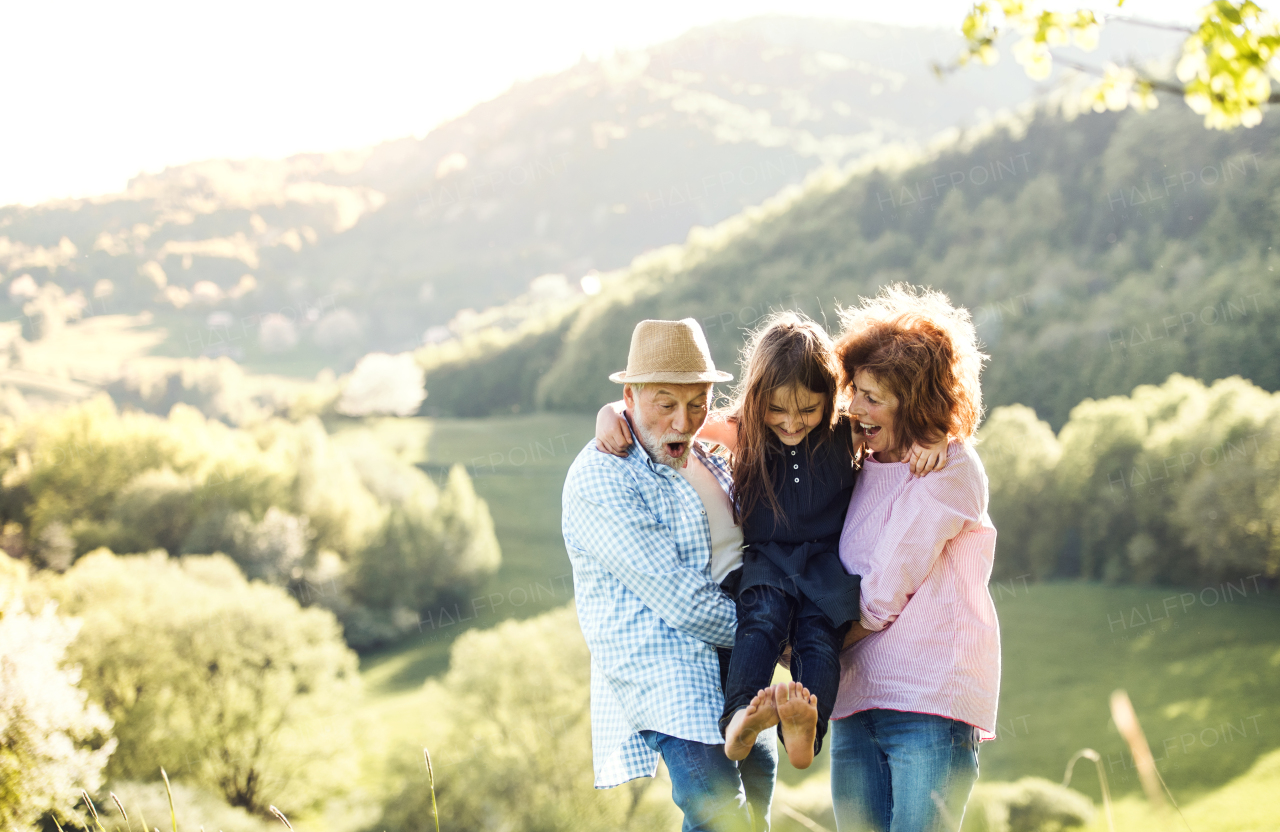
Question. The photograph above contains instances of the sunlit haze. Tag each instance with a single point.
(97, 93)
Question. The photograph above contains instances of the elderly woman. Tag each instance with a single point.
(921, 669)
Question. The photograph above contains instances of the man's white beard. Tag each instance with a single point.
(657, 447)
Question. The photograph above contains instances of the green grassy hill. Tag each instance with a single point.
(1201, 664)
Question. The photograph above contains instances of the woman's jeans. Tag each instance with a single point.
(893, 771)
(767, 620)
(715, 793)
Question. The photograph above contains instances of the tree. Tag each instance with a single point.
(328, 490)
(1020, 454)
(472, 546)
(1227, 63)
(434, 543)
(53, 741)
(229, 685)
(1175, 483)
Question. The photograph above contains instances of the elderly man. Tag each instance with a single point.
(649, 535)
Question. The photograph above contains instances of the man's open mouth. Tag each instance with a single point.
(869, 430)
(676, 449)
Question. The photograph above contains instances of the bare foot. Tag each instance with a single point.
(747, 724)
(798, 715)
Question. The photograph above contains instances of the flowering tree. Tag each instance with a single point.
(1225, 71)
(383, 384)
(48, 729)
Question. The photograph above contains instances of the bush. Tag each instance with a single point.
(278, 499)
(434, 545)
(510, 737)
(156, 509)
(1031, 804)
(229, 685)
(273, 550)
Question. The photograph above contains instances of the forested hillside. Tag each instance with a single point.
(296, 264)
(1096, 254)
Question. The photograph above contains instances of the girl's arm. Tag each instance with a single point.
(613, 434)
(927, 458)
(720, 429)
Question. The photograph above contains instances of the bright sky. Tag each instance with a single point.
(97, 92)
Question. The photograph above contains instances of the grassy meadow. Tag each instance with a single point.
(1201, 664)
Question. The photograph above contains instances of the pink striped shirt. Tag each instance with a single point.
(924, 549)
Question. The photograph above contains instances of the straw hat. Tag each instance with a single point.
(672, 351)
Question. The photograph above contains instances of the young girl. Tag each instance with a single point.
(794, 468)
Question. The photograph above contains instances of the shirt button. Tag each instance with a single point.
(793, 453)
(795, 466)
(797, 479)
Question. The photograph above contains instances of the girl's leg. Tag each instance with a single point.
(764, 617)
(933, 763)
(759, 772)
(815, 663)
(860, 784)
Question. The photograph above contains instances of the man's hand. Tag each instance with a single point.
(856, 634)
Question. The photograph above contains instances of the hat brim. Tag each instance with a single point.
(699, 377)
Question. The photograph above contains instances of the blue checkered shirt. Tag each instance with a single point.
(640, 545)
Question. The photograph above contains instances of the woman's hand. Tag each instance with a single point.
(613, 434)
(927, 459)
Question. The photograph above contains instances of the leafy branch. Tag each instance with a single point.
(1225, 71)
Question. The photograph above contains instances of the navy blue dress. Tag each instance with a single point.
(800, 554)
(793, 588)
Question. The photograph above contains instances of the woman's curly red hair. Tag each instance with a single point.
(925, 351)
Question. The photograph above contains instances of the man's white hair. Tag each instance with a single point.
(640, 385)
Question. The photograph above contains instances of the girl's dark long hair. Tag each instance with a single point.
(788, 351)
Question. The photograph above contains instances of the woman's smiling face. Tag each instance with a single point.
(793, 412)
(873, 408)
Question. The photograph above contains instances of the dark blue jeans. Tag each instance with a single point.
(767, 620)
(715, 793)
(893, 771)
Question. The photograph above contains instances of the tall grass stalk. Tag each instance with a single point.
(280, 817)
(123, 813)
(431, 783)
(1176, 807)
(1090, 754)
(1126, 720)
(93, 811)
(173, 816)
